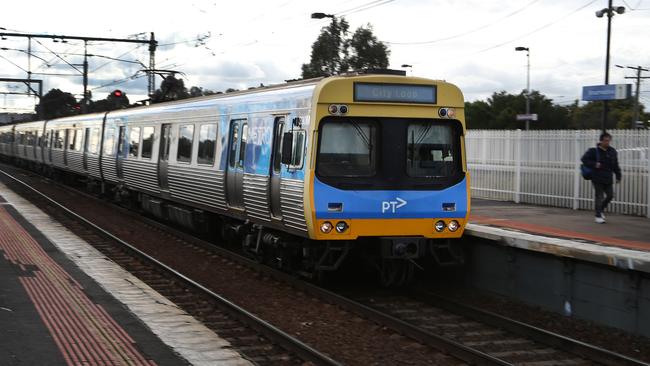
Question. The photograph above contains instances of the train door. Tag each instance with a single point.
(276, 167)
(163, 156)
(121, 150)
(235, 167)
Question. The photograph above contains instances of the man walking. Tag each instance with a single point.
(603, 160)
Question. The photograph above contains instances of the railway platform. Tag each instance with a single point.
(624, 241)
(64, 303)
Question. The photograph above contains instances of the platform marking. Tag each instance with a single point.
(80, 328)
(183, 333)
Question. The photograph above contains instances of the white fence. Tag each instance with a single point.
(543, 168)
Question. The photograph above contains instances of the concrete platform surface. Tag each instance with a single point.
(64, 303)
(629, 232)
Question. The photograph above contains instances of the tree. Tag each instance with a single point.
(170, 89)
(335, 52)
(367, 51)
(57, 103)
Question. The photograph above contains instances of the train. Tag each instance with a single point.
(303, 175)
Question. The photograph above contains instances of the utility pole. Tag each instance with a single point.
(638, 78)
(152, 66)
(609, 10)
(151, 42)
(84, 102)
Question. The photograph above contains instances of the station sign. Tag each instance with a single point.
(606, 92)
(527, 117)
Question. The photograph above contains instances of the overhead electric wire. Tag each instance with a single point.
(13, 63)
(474, 30)
(120, 56)
(57, 55)
(537, 29)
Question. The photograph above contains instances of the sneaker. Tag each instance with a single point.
(600, 220)
(602, 215)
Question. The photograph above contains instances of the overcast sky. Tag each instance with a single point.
(467, 42)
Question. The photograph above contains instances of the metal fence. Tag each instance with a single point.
(543, 168)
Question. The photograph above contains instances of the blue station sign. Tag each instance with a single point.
(606, 92)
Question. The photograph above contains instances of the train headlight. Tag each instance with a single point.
(440, 226)
(341, 226)
(326, 227)
(343, 109)
(453, 225)
(333, 109)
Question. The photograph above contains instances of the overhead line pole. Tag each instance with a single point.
(151, 42)
(638, 78)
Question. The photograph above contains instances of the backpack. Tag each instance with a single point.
(586, 171)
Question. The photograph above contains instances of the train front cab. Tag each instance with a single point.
(388, 164)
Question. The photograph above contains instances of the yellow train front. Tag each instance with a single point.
(387, 171)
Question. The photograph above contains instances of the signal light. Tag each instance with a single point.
(117, 93)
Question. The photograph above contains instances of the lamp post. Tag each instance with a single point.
(527, 83)
(610, 10)
(321, 15)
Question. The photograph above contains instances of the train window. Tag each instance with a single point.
(87, 140)
(207, 144)
(109, 142)
(38, 138)
(147, 142)
(348, 148)
(78, 140)
(95, 136)
(134, 142)
(430, 150)
(234, 142)
(121, 140)
(242, 148)
(58, 139)
(277, 144)
(185, 139)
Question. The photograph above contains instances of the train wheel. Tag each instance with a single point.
(396, 272)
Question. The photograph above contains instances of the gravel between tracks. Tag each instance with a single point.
(328, 328)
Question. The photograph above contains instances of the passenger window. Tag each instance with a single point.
(277, 144)
(185, 139)
(109, 142)
(87, 140)
(134, 142)
(207, 144)
(121, 140)
(46, 139)
(78, 139)
(234, 142)
(147, 142)
(95, 136)
(242, 148)
(69, 139)
(58, 139)
(297, 150)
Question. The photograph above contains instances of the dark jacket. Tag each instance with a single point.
(608, 160)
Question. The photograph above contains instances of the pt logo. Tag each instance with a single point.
(392, 205)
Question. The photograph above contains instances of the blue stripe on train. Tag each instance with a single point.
(389, 204)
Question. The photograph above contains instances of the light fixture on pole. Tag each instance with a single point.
(610, 11)
(321, 15)
(527, 83)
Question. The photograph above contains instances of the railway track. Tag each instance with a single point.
(256, 339)
(464, 332)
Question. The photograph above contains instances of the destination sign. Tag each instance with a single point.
(394, 93)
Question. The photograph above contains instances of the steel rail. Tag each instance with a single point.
(570, 345)
(282, 338)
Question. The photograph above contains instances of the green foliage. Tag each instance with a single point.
(335, 52)
(57, 103)
(367, 51)
(170, 89)
(500, 110)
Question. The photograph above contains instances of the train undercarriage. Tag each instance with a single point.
(393, 260)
